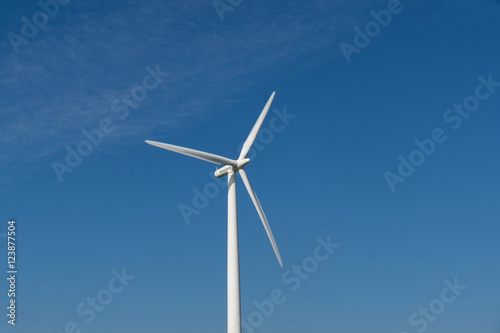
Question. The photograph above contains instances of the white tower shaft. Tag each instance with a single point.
(233, 264)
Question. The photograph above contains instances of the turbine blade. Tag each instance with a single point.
(255, 130)
(261, 213)
(195, 153)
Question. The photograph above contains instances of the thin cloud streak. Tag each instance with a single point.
(66, 79)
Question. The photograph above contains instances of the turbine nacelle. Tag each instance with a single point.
(219, 173)
(226, 169)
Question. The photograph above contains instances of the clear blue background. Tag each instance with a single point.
(322, 175)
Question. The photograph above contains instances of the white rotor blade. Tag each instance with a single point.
(261, 213)
(195, 153)
(255, 130)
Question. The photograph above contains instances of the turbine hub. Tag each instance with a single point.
(242, 162)
(226, 169)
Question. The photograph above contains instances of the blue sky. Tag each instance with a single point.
(389, 152)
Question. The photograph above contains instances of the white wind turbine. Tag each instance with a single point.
(231, 168)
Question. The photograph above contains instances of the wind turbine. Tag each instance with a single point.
(230, 169)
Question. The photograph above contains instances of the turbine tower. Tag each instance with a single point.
(231, 167)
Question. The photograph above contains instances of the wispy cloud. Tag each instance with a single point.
(67, 77)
